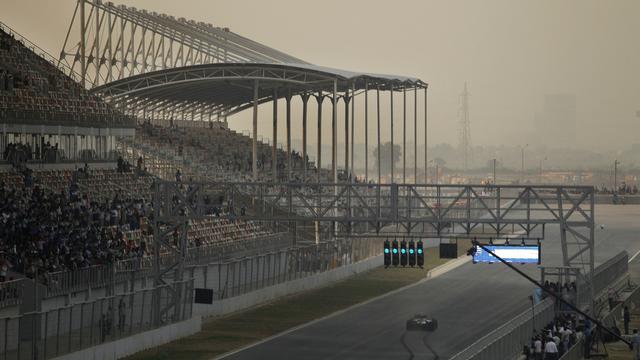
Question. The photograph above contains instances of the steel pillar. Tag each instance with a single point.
(254, 140)
(305, 100)
(274, 148)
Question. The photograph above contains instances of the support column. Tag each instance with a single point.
(83, 46)
(319, 99)
(274, 148)
(254, 140)
(393, 180)
(378, 149)
(415, 135)
(404, 135)
(366, 132)
(289, 167)
(426, 143)
(347, 99)
(305, 99)
(353, 130)
(97, 40)
(334, 133)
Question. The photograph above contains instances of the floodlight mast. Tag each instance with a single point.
(550, 292)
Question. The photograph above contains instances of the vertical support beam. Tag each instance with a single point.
(274, 147)
(254, 140)
(404, 135)
(334, 138)
(366, 132)
(353, 128)
(123, 58)
(305, 99)
(379, 152)
(393, 179)
(83, 44)
(592, 238)
(334, 132)
(319, 99)
(288, 124)
(97, 39)
(426, 143)
(110, 47)
(415, 135)
(346, 131)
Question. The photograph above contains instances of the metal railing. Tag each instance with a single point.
(506, 341)
(240, 276)
(65, 282)
(45, 335)
(11, 292)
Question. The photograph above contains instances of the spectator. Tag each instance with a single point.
(627, 318)
(537, 348)
(550, 350)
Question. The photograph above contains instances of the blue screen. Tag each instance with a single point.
(523, 254)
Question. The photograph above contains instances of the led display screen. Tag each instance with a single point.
(522, 254)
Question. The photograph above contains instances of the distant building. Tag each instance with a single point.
(556, 124)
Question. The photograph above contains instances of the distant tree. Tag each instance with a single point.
(440, 162)
(385, 157)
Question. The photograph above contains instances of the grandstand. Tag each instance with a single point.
(47, 115)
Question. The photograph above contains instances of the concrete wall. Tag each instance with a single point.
(608, 199)
(142, 341)
(230, 305)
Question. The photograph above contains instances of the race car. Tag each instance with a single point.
(421, 322)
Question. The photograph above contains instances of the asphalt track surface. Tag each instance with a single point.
(468, 302)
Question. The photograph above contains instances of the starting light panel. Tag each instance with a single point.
(387, 253)
(403, 253)
(420, 253)
(412, 253)
(395, 255)
(519, 254)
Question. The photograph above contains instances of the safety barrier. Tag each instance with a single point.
(576, 352)
(102, 276)
(45, 335)
(605, 275)
(506, 341)
(240, 276)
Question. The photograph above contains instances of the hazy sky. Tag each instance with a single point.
(511, 52)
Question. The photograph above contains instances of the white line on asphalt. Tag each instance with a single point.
(634, 256)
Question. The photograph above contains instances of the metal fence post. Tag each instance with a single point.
(57, 334)
(245, 266)
(131, 301)
(81, 322)
(6, 336)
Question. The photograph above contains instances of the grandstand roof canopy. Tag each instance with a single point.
(182, 64)
(231, 84)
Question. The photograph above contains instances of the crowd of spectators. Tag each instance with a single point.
(17, 153)
(566, 291)
(221, 150)
(30, 84)
(556, 338)
(42, 231)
